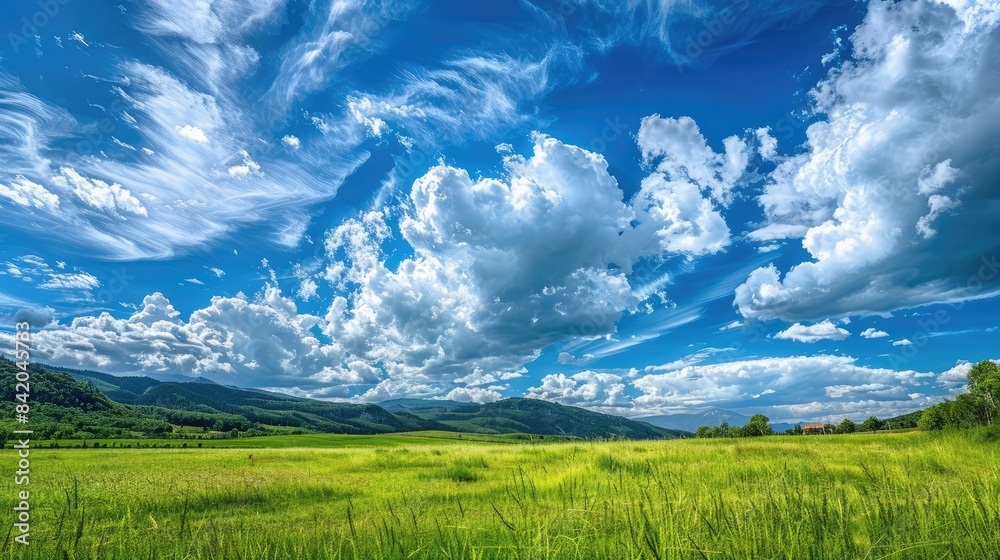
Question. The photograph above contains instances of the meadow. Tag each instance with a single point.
(904, 496)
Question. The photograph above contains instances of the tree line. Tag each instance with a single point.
(980, 406)
(977, 407)
(760, 425)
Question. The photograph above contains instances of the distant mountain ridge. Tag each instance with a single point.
(532, 416)
(691, 421)
(201, 403)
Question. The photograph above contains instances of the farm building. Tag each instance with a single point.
(813, 429)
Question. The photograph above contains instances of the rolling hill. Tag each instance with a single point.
(82, 404)
(62, 407)
(261, 407)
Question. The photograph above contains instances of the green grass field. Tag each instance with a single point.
(900, 496)
(302, 440)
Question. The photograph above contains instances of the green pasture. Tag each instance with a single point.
(428, 496)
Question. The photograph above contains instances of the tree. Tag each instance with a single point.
(933, 418)
(968, 410)
(984, 384)
(720, 431)
(847, 427)
(703, 432)
(759, 425)
(871, 424)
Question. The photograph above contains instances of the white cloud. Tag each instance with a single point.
(79, 38)
(70, 281)
(874, 333)
(903, 342)
(679, 151)
(937, 205)
(76, 285)
(690, 33)
(192, 133)
(189, 193)
(768, 144)
(674, 208)
(897, 175)
(588, 389)
(956, 377)
(307, 286)
(338, 34)
(470, 96)
(264, 341)
(246, 168)
(674, 216)
(291, 142)
(786, 389)
(501, 269)
(194, 281)
(99, 194)
(475, 394)
(24, 192)
(813, 333)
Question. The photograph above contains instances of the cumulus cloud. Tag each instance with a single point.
(475, 394)
(587, 389)
(37, 317)
(192, 133)
(768, 144)
(99, 194)
(678, 207)
(892, 192)
(680, 151)
(501, 268)
(956, 377)
(259, 341)
(813, 333)
(246, 168)
(903, 342)
(874, 333)
(788, 389)
(27, 193)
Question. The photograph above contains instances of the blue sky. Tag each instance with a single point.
(636, 207)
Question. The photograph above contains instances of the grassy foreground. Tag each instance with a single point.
(864, 496)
